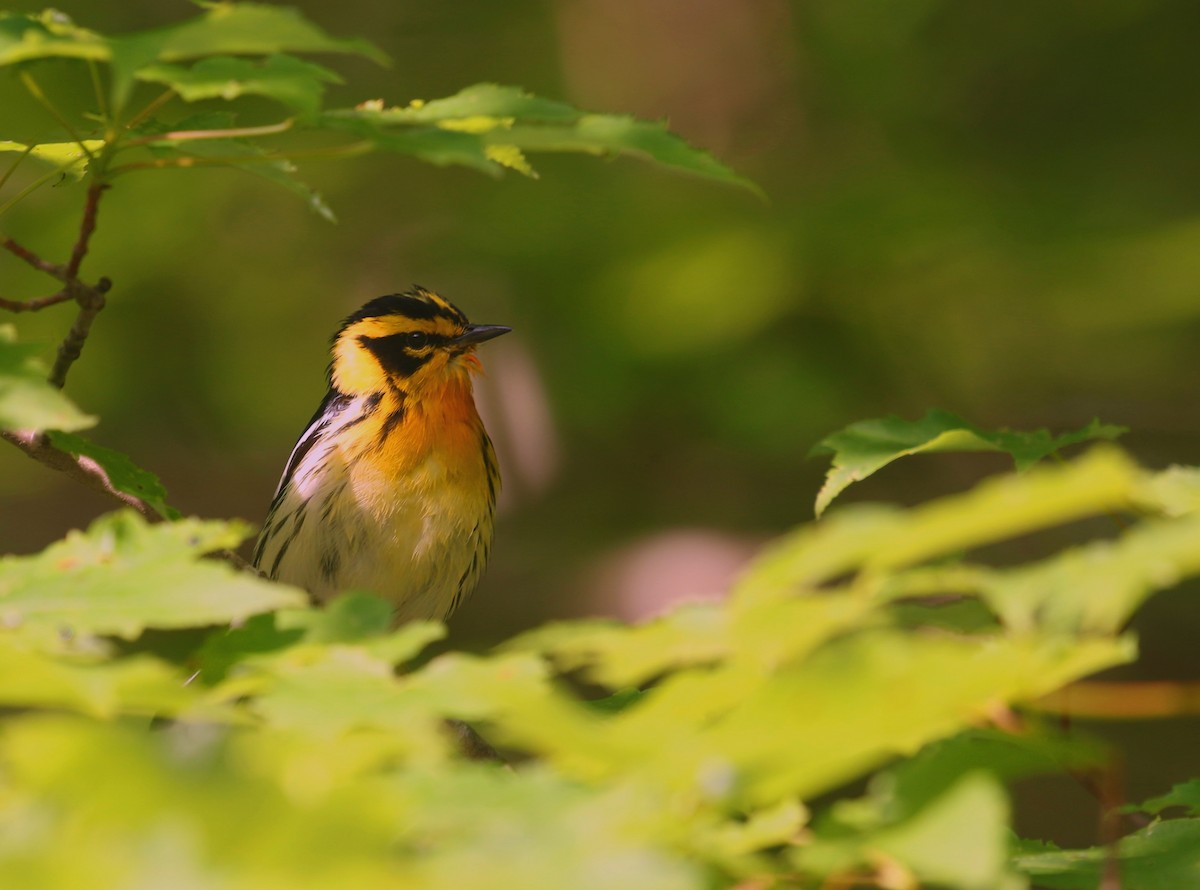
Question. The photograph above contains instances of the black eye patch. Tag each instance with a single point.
(396, 351)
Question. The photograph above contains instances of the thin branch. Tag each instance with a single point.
(86, 226)
(91, 301)
(52, 269)
(90, 298)
(35, 304)
(82, 469)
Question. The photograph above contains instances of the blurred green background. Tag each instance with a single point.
(991, 208)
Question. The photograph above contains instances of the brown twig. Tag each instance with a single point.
(91, 301)
(1131, 700)
(80, 468)
(90, 298)
(34, 305)
(52, 269)
(86, 226)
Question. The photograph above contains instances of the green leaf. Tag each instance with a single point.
(1161, 856)
(1185, 794)
(294, 82)
(27, 401)
(243, 154)
(495, 124)
(881, 539)
(868, 445)
(624, 135)
(1096, 587)
(1174, 491)
(442, 147)
(226, 647)
(359, 618)
(366, 619)
(483, 101)
(958, 839)
(46, 35)
(123, 474)
(226, 29)
(139, 685)
(69, 157)
(123, 575)
(912, 784)
(617, 702)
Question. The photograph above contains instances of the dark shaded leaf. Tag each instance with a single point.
(123, 473)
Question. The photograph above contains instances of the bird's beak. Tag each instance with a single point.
(478, 333)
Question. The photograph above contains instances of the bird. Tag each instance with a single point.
(391, 488)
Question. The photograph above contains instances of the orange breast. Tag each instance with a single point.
(440, 422)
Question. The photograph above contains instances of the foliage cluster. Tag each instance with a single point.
(272, 744)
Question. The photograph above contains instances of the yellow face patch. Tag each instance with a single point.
(393, 350)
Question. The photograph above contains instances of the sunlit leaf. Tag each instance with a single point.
(122, 473)
(123, 575)
(27, 401)
(1174, 491)
(868, 445)
(139, 685)
(1096, 587)
(70, 157)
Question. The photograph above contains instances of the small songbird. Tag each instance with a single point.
(392, 487)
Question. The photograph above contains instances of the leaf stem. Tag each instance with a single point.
(15, 164)
(343, 151)
(101, 100)
(36, 91)
(231, 133)
(29, 189)
(152, 106)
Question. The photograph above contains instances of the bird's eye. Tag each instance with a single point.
(416, 340)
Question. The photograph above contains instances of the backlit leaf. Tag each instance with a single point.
(70, 157)
(123, 575)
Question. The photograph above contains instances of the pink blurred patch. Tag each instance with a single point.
(660, 571)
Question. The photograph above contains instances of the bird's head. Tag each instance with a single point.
(405, 342)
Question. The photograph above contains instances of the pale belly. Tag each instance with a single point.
(420, 542)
